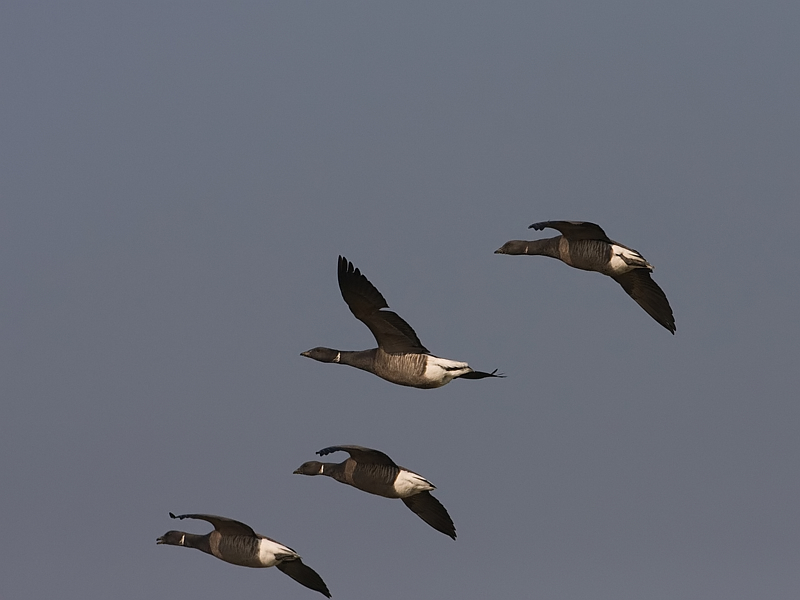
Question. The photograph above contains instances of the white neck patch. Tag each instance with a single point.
(321, 469)
(338, 356)
(183, 537)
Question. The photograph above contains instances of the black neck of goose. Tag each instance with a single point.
(360, 359)
(200, 542)
(545, 247)
(335, 471)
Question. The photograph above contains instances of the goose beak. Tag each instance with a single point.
(160, 540)
(305, 354)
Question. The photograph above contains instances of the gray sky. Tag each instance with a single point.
(177, 180)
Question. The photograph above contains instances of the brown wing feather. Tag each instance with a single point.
(430, 510)
(304, 575)
(574, 230)
(647, 293)
(361, 455)
(391, 332)
(222, 524)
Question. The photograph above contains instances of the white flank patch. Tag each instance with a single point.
(626, 259)
(443, 370)
(267, 549)
(409, 483)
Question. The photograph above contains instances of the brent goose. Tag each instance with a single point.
(374, 472)
(586, 246)
(238, 544)
(400, 357)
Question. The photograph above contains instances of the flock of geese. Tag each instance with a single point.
(402, 359)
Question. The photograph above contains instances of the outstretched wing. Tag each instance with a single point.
(430, 510)
(391, 332)
(304, 575)
(222, 524)
(364, 456)
(574, 230)
(647, 293)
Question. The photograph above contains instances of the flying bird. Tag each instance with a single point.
(374, 472)
(236, 543)
(400, 357)
(586, 246)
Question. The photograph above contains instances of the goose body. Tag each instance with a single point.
(400, 357)
(237, 543)
(586, 246)
(374, 472)
(245, 551)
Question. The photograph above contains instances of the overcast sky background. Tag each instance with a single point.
(177, 181)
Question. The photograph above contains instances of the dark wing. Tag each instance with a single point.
(391, 332)
(430, 510)
(574, 230)
(364, 456)
(304, 575)
(222, 524)
(641, 287)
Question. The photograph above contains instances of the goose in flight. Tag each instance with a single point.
(586, 246)
(374, 472)
(236, 543)
(400, 357)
